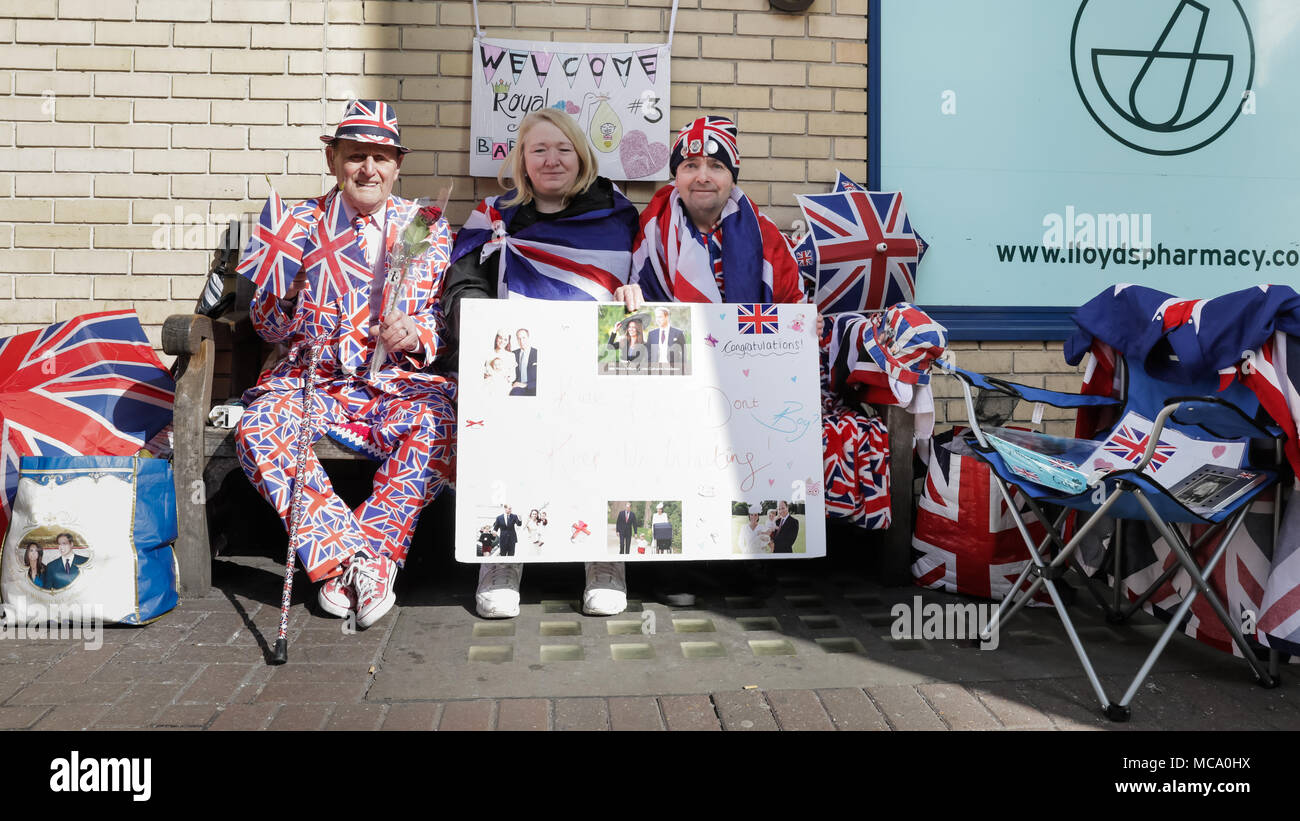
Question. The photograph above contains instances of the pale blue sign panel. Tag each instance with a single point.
(1049, 149)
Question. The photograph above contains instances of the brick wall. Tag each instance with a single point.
(1037, 364)
(129, 128)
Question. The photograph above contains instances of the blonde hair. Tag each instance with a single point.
(513, 168)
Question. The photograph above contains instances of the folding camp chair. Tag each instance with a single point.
(1157, 421)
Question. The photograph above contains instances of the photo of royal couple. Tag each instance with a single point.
(654, 341)
(644, 528)
(769, 526)
(511, 535)
(511, 368)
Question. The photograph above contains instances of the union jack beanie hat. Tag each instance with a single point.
(710, 136)
(369, 121)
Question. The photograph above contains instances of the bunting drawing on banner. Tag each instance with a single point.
(490, 58)
(649, 60)
(518, 61)
(596, 62)
(542, 65)
(622, 66)
(626, 122)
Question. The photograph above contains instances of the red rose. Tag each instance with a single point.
(430, 213)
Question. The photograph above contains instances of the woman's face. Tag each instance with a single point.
(550, 161)
(33, 555)
(634, 331)
(502, 342)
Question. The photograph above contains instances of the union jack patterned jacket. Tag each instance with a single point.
(343, 323)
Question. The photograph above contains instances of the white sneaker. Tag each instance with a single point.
(372, 579)
(606, 593)
(498, 590)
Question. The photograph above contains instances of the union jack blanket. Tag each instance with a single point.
(672, 266)
(578, 257)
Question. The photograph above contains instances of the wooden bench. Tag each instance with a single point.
(222, 357)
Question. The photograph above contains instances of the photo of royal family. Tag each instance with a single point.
(52, 557)
(510, 534)
(769, 526)
(510, 369)
(654, 341)
(644, 528)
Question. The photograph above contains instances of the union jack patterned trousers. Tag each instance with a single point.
(416, 432)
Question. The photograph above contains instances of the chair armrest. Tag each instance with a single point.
(1057, 399)
(183, 334)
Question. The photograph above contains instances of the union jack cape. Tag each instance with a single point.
(578, 257)
(672, 266)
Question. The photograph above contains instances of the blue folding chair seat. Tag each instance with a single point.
(1191, 411)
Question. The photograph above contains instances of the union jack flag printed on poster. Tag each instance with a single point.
(1129, 443)
(88, 386)
(756, 319)
(273, 255)
(867, 251)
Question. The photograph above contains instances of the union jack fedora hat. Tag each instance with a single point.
(369, 121)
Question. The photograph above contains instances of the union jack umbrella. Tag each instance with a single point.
(90, 386)
(867, 251)
(273, 255)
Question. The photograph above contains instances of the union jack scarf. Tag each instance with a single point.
(579, 257)
(671, 265)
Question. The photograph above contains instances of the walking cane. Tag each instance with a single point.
(280, 655)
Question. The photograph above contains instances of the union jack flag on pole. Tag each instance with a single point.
(331, 256)
(85, 387)
(867, 251)
(274, 252)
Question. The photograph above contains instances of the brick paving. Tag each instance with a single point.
(203, 668)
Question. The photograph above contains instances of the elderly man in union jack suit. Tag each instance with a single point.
(327, 295)
(701, 239)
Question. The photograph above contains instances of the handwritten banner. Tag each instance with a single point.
(676, 433)
(617, 93)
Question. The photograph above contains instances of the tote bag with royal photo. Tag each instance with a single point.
(91, 535)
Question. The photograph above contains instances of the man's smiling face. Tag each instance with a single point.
(365, 171)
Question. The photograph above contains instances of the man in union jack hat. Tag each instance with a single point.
(321, 267)
(701, 239)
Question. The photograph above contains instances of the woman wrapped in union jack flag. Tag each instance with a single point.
(555, 198)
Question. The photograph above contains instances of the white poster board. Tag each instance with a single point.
(617, 93)
(602, 418)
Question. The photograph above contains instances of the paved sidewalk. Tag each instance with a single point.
(805, 650)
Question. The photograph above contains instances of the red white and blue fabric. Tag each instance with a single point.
(672, 265)
(332, 256)
(855, 453)
(404, 415)
(89, 386)
(853, 272)
(581, 257)
(844, 183)
(886, 357)
(273, 255)
(805, 257)
(1238, 579)
(1211, 335)
(368, 121)
(965, 534)
(709, 136)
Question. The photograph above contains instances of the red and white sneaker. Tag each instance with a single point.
(336, 596)
(372, 581)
